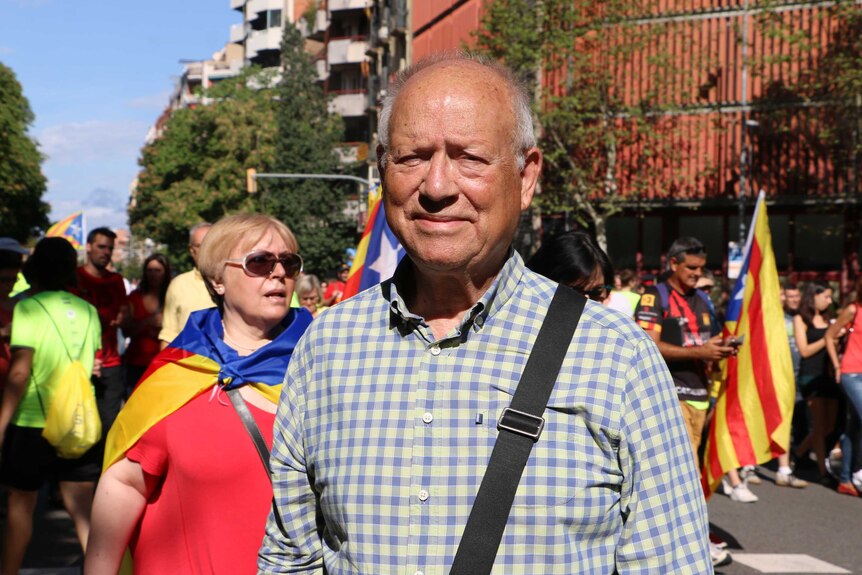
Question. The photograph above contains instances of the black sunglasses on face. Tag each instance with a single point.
(597, 294)
(262, 263)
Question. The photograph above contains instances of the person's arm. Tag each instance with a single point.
(120, 500)
(663, 512)
(170, 317)
(800, 332)
(713, 350)
(298, 547)
(834, 332)
(16, 384)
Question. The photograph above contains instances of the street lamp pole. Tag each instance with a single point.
(743, 154)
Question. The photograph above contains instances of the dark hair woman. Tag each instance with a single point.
(145, 321)
(49, 329)
(817, 386)
(574, 259)
(848, 372)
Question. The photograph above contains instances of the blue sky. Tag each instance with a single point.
(97, 74)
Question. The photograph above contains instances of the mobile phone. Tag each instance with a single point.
(736, 341)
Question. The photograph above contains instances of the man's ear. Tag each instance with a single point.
(530, 176)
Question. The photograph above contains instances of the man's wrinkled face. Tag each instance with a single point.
(452, 187)
(99, 251)
(687, 269)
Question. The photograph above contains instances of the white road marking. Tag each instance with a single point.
(786, 563)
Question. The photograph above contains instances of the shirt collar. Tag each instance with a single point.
(503, 287)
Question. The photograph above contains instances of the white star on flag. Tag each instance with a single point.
(387, 261)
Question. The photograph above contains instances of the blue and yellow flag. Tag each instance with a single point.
(71, 228)
(377, 254)
(195, 361)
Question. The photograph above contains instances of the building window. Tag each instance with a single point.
(818, 242)
(274, 19)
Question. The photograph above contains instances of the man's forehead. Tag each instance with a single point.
(453, 77)
(102, 240)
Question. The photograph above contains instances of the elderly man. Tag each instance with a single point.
(186, 292)
(388, 416)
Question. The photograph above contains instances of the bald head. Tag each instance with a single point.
(458, 67)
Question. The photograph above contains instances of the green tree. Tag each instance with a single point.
(307, 137)
(601, 137)
(22, 184)
(196, 170)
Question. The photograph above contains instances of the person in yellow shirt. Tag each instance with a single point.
(187, 292)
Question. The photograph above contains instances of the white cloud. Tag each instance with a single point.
(152, 102)
(92, 141)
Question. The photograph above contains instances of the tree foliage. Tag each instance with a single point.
(600, 137)
(196, 170)
(307, 137)
(22, 184)
(812, 103)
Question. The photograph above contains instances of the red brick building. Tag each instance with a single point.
(813, 186)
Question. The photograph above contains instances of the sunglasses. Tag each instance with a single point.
(261, 264)
(597, 294)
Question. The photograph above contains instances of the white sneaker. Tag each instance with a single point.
(857, 480)
(725, 487)
(742, 494)
(720, 557)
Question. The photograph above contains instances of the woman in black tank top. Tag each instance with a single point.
(815, 383)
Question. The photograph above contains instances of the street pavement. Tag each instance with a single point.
(812, 530)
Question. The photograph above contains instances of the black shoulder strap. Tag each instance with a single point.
(253, 430)
(520, 425)
(250, 426)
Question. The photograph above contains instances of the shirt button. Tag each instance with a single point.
(428, 418)
(423, 495)
(480, 320)
(435, 350)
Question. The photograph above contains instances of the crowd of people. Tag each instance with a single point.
(255, 421)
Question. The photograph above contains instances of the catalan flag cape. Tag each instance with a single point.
(71, 228)
(753, 413)
(194, 362)
(377, 254)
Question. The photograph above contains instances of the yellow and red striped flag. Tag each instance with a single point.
(751, 424)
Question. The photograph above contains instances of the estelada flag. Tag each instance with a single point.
(751, 424)
(71, 228)
(377, 254)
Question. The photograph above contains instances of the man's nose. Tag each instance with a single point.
(439, 180)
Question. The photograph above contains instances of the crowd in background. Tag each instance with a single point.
(137, 321)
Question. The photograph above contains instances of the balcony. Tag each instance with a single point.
(258, 6)
(346, 50)
(321, 23)
(237, 33)
(335, 5)
(237, 4)
(322, 69)
(349, 103)
(260, 40)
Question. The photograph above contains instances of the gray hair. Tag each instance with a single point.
(524, 137)
(197, 227)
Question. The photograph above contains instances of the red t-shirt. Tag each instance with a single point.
(209, 513)
(144, 345)
(107, 294)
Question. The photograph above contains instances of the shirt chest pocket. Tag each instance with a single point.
(571, 461)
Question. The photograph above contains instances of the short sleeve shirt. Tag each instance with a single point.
(108, 295)
(186, 293)
(687, 321)
(69, 327)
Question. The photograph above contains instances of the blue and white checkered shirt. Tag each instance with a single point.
(383, 434)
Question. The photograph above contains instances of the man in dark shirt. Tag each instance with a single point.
(681, 322)
(106, 292)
